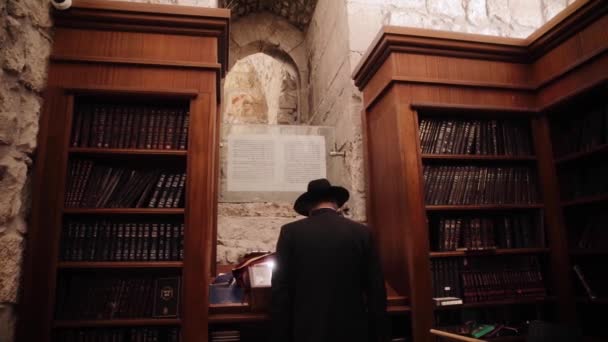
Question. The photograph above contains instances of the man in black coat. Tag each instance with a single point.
(327, 285)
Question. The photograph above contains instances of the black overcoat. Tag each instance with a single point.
(327, 285)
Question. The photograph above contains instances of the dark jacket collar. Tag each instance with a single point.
(322, 211)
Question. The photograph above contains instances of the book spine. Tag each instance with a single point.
(165, 191)
(581, 277)
(183, 136)
(170, 130)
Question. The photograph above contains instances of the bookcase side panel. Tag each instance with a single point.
(36, 304)
(200, 197)
(417, 242)
(387, 197)
(556, 232)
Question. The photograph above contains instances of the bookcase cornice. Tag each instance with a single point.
(394, 39)
(149, 18)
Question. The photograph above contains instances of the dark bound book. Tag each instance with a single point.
(166, 297)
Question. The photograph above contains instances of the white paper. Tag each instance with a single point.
(274, 163)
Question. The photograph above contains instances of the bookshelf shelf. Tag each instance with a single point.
(238, 318)
(520, 338)
(588, 252)
(585, 300)
(578, 156)
(118, 323)
(586, 200)
(119, 264)
(473, 157)
(518, 301)
(482, 207)
(124, 211)
(127, 152)
(488, 252)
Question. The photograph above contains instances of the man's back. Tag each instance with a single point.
(327, 277)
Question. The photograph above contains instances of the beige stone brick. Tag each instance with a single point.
(11, 250)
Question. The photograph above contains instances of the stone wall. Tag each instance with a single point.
(268, 72)
(25, 45)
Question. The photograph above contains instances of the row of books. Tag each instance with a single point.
(93, 184)
(504, 284)
(584, 130)
(112, 297)
(595, 232)
(103, 240)
(446, 278)
(479, 185)
(130, 126)
(482, 279)
(225, 336)
(146, 334)
(584, 181)
(471, 233)
(486, 137)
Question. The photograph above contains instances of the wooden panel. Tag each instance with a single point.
(444, 68)
(556, 231)
(417, 231)
(572, 52)
(386, 196)
(82, 75)
(135, 45)
(379, 81)
(199, 230)
(36, 305)
(459, 96)
(585, 77)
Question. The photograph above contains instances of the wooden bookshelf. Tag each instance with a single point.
(586, 300)
(119, 264)
(103, 107)
(124, 211)
(589, 252)
(117, 323)
(489, 252)
(483, 207)
(126, 152)
(519, 301)
(406, 83)
(585, 201)
(478, 157)
(597, 151)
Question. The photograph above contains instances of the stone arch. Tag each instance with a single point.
(275, 36)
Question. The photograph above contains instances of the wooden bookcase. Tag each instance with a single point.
(411, 75)
(128, 61)
(579, 134)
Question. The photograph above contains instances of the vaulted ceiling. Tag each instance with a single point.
(298, 12)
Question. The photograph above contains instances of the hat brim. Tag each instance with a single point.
(307, 200)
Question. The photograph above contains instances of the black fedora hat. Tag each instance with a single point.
(319, 189)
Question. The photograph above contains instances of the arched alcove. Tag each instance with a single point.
(262, 89)
(266, 33)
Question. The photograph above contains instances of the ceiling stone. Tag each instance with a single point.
(298, 12)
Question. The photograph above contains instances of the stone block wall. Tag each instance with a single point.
(25, 43)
